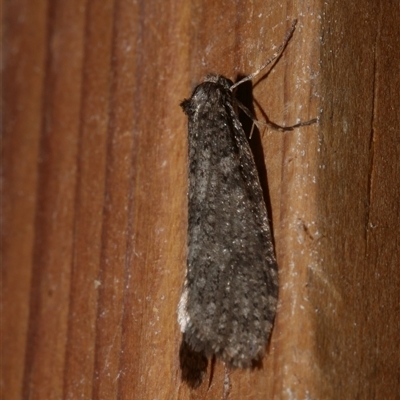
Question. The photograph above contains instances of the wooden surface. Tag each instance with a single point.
(94, 194)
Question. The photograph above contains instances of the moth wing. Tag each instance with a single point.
(230, 294)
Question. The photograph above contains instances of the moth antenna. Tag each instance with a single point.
(272, 58)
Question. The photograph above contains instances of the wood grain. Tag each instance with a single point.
(94, 194)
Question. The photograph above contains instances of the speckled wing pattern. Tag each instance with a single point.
(229, 298)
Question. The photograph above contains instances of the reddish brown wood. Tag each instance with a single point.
(358, 203)
(94, 194)
(24, 58)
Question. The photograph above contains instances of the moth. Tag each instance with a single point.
(228, 303)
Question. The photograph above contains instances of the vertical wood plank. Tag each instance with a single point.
(357, 292)
(24, 57)
(55, 207)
